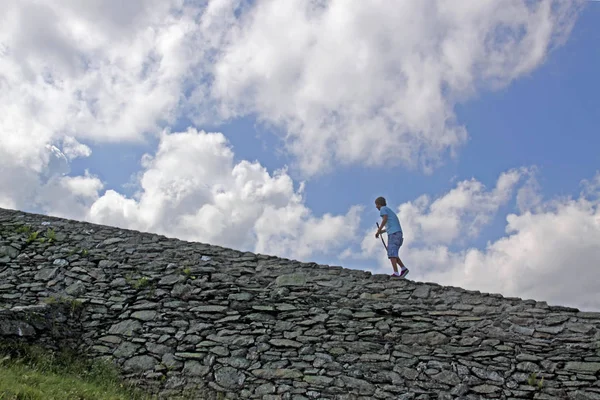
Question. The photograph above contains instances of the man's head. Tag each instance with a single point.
(380, 202)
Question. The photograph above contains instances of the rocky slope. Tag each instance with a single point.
(178, 315)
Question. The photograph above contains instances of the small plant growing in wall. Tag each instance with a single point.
(51, 235)
(139, 283)
(32, 237)
(24, 229)
(187, 271)
(533, 381)
(75, 304)
(142, 283)
(72, 304)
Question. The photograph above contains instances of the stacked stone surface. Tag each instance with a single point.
(180, 316)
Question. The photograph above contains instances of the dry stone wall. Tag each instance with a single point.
(227, 324)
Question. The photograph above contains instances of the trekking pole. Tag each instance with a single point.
(381, 236)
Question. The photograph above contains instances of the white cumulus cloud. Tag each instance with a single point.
(73, 149)
(192, 189)
(461, 212)
(376, 83)
(92, 71)
(96, 71)
(337, 77)
(69, 196)
(347, 82)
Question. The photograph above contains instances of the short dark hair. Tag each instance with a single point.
(380, 200)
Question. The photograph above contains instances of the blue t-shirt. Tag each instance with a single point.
(393, 223)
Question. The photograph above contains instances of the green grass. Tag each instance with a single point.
(19, 382)
(32, 373)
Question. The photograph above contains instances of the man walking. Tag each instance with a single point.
(395, 235)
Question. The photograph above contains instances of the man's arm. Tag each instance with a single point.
(381, 230)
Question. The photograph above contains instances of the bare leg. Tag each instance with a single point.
(401, 263)
(394, 264)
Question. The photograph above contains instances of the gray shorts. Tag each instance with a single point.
(395, 240)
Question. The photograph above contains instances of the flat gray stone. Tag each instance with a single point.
(209, 309)
(170, 361)
(486, 389)
(447, 377)
(109, 242)
(76, 289)
(9, 251)
(181, 290)
(16, 328)
(291, 280)
(229, 378)
(285, 343)
(264, 389)
(489, 375)
(277, 373)
(145, 315)
(194, 368)
(318, 380)
(428, 338)
(584, 367)
(126, 350)
(555, 319)
(421, 292)
(118, 282)
(60, 262)
(139, 364)
(158, 349)
(236, 362)
(126, 328)
(111, 339)
(553, 330)
(170, 280)
(585, 395)
(233, 340)
(46, 274)
(362, 386)
(191, 356)
(107, 264)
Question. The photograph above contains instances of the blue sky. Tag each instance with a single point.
(548, 118)
(351, 100)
